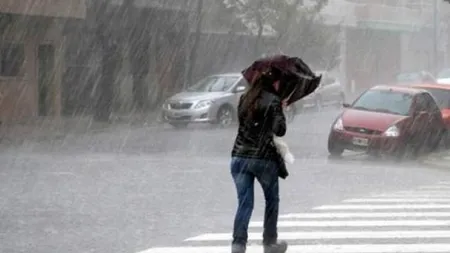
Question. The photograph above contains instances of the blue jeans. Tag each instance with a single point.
(244, 171)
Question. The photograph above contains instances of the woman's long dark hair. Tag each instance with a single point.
(251, 98)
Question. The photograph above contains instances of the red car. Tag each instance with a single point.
(394, 120)
(441, 94)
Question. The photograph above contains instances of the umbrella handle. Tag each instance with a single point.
(290, 95)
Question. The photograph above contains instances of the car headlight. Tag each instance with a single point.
(203, 104)
(338, 125)
(392, 131)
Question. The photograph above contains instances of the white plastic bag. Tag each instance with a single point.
(283, 149)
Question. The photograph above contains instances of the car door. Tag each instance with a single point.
(427, 119)
(418, 117)
(435, 125)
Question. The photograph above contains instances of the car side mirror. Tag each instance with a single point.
(240, 89)
(346, 105)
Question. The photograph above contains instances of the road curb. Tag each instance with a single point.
(57, 129)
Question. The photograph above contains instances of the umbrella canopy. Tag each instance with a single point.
(296, 78)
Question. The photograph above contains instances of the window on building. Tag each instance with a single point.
(12, 57)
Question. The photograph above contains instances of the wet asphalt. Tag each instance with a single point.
(134, 188)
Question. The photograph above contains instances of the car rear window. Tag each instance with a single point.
(441, 96)
(386, 101)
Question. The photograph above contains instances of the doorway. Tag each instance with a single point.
(46, 74)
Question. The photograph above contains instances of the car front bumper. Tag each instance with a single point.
(364, 142)
(202, 115)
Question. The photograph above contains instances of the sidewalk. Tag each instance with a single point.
(138, 119)
(440, 159)
(47, 129)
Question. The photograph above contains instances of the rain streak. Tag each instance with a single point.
(224, 126)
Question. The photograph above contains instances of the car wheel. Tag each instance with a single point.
(375, 154)
(225, 116)
(401, 153)
(407, 151)
(334, 148)
(435, 142)
(446, 139)
(179, 125)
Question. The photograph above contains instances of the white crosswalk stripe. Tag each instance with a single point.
(357, 223)
(415, 221)
(332, 235)
(399, 200)
(380, 207)
(364, 215)
(434, 187)
(423, 192)
(411, 195)
(361, 248)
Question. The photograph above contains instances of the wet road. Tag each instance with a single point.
(141, 188)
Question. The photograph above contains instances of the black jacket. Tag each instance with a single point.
(255, 135)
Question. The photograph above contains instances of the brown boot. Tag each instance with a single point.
(279, 247)
(238, 248)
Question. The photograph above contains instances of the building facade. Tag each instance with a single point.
(149, 39)
(155, 44)
(32, 47)
(381, 38)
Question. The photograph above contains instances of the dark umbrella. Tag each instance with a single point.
(296, 78)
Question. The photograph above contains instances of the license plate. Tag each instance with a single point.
(177, 114)
(360, 141)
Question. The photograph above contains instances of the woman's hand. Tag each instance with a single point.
(284, 104)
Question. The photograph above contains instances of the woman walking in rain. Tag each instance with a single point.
(254, 154)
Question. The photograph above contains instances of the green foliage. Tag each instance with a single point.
(275, 13)
(298, 27)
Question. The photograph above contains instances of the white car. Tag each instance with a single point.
(214, 99)
(443, 76)
(329, 92)
(408, 78)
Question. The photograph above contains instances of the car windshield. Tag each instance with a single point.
(444, 73)
(385, 101)
(441, 96)
(214, 84)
